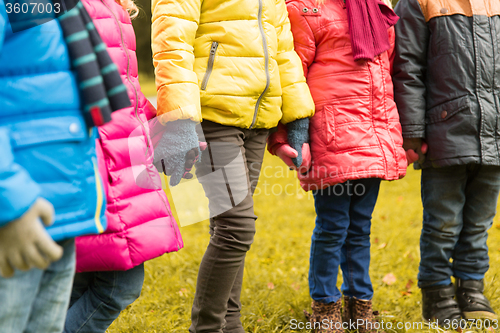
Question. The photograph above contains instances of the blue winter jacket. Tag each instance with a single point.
(46, 150)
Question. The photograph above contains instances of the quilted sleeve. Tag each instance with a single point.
(297, 100)
(409, 68)
(303, 36)
(175, 23)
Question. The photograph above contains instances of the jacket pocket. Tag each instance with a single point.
(447, 110)
(210, 65)
(49, 130)
(59, 154)
(323, 125)
(329, 112)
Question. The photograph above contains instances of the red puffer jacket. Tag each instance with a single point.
(355, 132)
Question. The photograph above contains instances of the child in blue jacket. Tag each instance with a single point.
(48, 176)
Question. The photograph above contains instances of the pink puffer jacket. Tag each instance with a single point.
(140, 222)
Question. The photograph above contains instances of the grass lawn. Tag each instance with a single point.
(275, 290)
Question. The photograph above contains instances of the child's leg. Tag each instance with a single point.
(17, 294)
(37, 300)
(443, 198)
(108, 294)
(254, 157)
(470, 256)
(233, 321)
(355, 261)
(51, 303)
(233, 228)
(332, 221)
(81, 284)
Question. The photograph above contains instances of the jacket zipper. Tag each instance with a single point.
(210, 65)
(136, 108)
(266, 56)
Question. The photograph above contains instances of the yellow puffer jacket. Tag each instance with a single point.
(228, 61)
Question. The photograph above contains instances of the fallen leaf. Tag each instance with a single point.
(408, 255)
(382, 246)
(400, 198)
(259, 320)
(497, 226)
(375, 240)
(296, 286)
(270, 285)
(183, 292)
(389, 279)
(409, 284)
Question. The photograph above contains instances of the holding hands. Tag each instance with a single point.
(415, 149)
(295, 152)
(178, 150)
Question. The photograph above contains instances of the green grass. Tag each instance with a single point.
(275, 289)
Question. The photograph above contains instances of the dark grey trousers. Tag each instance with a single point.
(229, 171)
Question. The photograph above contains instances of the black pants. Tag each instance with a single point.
(229, 172)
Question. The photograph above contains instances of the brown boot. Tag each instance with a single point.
(347, 311)
(363, 310)
(325, 318)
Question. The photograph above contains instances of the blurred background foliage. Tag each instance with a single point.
(142, 27)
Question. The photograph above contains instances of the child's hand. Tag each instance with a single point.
(287, 153)
(411, 156)
(177, 150)
(415, 149)
(25, 244)
(298, 137)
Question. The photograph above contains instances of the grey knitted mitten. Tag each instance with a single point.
(174, 152)
(298, 134)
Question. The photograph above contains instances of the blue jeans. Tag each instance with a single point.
(98, 298)
(36, 301)
(459, 206)
(342, 237)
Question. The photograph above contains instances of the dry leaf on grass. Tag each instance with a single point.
(183, 292)
(408, 286)
(389, 279)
